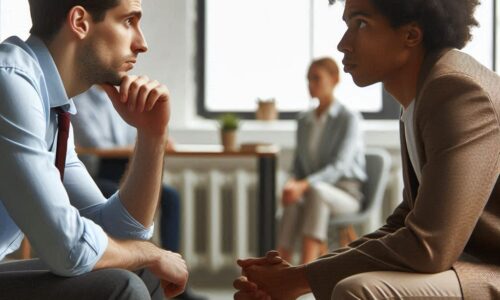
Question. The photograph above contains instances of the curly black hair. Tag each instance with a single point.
(445, 23)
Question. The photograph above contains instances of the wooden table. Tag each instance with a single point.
(266, 156)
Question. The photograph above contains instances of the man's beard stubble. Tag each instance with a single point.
(94, 71)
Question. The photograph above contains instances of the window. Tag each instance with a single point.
(14, 19)
(262, 49)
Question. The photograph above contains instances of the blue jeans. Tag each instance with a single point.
(108, 178)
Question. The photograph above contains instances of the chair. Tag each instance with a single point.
(378, 163)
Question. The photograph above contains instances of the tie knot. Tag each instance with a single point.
(61, 113)
(62, 119)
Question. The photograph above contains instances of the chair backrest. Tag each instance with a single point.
(378, 163)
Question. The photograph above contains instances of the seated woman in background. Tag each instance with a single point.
(328, 169)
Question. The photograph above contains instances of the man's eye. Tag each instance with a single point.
(128, 21)
(361, 24)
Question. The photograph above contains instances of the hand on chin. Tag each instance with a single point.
(142, 103)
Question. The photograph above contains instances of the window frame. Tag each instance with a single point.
(390, 108)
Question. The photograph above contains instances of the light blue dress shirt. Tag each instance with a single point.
(66, 223)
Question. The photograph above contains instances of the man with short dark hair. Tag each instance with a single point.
(443, 240)
(85, 242)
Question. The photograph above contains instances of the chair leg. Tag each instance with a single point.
(343, 240)
(352, 233)
(347, 235)
(25, 249)
(323, 249)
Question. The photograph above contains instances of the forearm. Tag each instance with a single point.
(141, 187)
(128, 254)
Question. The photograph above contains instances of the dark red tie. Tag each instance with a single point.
(62, 139)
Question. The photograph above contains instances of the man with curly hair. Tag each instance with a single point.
(443, 240)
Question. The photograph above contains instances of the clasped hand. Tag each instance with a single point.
(264, 278)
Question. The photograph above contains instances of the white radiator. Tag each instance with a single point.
(218, 216)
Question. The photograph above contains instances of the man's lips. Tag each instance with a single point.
(348, 65)
(130, 64)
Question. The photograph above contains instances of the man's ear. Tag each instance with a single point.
(79, 21)
(413, 35)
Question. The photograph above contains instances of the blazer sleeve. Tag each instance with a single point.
(461, 142)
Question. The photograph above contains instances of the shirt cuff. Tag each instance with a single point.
(89, 251)
(118, 222)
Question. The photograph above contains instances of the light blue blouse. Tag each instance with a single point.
(340, 153)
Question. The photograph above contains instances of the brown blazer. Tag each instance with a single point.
(455, 209)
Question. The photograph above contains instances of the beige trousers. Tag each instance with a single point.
(310, 217)
(399, 285)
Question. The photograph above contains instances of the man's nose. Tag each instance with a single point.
(140, 45)
(344, 45)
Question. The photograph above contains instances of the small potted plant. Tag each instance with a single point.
(229, 124)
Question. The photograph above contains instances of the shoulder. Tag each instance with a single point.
(455, 79)
(17, 57)
(304, 116)
(344, 113)
(459, 94)
(21, 83)
(456, 70)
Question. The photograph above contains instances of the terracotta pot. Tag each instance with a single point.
(228, 138)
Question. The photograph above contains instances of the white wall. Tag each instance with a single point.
(14, 18)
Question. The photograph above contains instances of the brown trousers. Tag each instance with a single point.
(399, 285)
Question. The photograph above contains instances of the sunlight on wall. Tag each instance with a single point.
(14, 19)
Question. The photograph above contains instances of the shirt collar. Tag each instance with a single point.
(405, 113)
(53, 81)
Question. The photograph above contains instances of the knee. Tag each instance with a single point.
(312, 198)
(354, 287)
(121, 284)
(313, 190)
